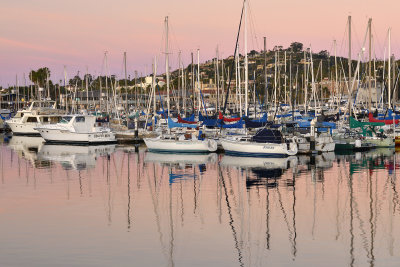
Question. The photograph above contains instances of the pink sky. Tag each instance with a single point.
(76, 33)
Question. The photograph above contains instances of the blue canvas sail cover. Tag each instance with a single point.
(268, 136)
(172, 124)
(207, 121)
(238, 124)
(256, 124)
(191, 118)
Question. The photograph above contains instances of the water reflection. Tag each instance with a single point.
(74, 157)
(215, 210)
(42, 155)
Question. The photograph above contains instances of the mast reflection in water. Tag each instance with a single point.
(107, 205)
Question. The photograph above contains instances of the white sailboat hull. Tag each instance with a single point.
(246, 148)
(180, 146)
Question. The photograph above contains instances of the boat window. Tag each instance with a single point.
(65, 119)
(31, 119)
(80, 119)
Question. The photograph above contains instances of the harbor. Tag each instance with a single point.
(154, 145)
(110, 205)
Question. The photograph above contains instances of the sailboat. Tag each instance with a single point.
(181, 143)
(265, 143)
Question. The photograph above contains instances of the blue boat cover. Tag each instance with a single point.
(238, 124)
(268, 136)
(172, 124)
(191, 118)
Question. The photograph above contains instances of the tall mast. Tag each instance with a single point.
(106, 66)
(394, 77)
(183, 89)
(198, 78)
(166, 62)
(236, 82)
(192, 80)
(305, 82)
(336, 73)
(154, 86)
(275, 79)
(239, 82)
(389, 66)
(290, 82)
(179, 83)
(265, 74)
(370, 66)
(349, 63)
(17, 90)
(217, 79)
(126, 85)
(87, 89)
(285, 79)
(246, 63)
(65, 88)
(222, 79)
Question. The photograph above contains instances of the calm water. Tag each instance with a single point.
(110, 206)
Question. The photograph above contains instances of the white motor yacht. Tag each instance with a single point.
(76, 129)
(38, 114)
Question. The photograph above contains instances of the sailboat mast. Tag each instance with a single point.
(154, 86)
(285, 79)
(370, 66)
(65, 88)
(275, 81)
(126, 85)
(305, 82)
(239, 83)
(192, 80)
(87, 88)
(389, 66)
(349, 62)
(166, 62)
(198, 78)
(179, 83)
(265, 74)
(183, 88)
(217, 78)
(336, 73)
(246, 63)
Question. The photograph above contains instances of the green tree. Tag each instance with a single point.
(296, 47)
(40, 76)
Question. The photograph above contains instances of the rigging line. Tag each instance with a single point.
(174, 38)
(343, 41)
(233, 61)
(253, 28)
(375, 38)
(354, 30)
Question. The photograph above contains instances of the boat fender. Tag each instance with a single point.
(357, 143)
